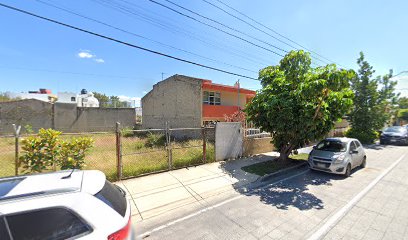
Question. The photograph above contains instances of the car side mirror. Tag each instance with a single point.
(314, 147)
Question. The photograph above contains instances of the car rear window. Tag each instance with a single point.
(114, 197)
(43, 224)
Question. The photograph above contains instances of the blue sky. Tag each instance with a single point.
(37, 54)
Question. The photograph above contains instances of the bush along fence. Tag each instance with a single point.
(122, 154)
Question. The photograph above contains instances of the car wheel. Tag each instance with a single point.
(348, 171)
(382, 142)
(364, 162)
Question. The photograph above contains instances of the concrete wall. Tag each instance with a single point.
(254, 146)
(62, 116)
(177, 100)
(228, 140)
(32, 112)
(68, 117)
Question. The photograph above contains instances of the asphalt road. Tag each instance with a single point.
(303, 205)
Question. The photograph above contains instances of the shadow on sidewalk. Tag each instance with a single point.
(284, 194)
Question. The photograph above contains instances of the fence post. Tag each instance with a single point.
(203, 130)
(169, 150)
(118, 152)
(17, 140)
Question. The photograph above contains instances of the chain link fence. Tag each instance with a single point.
(127, 153)
(156, 150)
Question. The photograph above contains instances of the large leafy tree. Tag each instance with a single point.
(375, 102)
(102, 98)
(298, 103)
(403, 103)
(112, 101)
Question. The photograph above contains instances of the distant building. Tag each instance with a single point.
(42, 94)
(184, 101)
(67, 97)
(84, 99)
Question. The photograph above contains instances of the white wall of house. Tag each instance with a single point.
(67, 97)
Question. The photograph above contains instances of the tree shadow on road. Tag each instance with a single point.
(292, 192)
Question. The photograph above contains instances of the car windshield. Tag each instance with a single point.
(331, 146)
(395, 129)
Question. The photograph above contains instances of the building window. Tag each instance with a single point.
(73, 99)
(212, 98)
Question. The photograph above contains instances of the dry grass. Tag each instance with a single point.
(137, 158)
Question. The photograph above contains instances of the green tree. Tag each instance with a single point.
(102, 98)
(6, 98)
(115, 102)
(403, 103)
(374, 102)
(403, 114)
(298, 103)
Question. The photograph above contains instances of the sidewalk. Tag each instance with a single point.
(156, 194)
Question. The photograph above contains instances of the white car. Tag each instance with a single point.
(337, 155)
(63, 205)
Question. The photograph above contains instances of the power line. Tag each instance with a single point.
(255, 27)
(224, 25)
(173, 28)
(139, 36)
(211, 26)
(124, 43)
(72, 73)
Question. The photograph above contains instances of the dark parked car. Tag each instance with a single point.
(394, 135)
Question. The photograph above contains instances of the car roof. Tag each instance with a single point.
(341, 139)
(50, 183)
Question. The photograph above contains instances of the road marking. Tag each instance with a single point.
(319, 234)
(211, 207)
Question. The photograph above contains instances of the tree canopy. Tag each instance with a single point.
(299, 103)
(112, 101)
(375, 102)
(403, 103)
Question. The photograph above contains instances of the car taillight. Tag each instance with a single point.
(122, 233)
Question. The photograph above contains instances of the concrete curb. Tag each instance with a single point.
(279, 173)
(263, 181)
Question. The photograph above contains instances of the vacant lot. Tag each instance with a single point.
(139, 155)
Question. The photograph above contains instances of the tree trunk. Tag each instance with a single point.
(285, 152)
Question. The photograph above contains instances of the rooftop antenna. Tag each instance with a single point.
(69, 175)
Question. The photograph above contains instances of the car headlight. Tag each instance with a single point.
(340, 158)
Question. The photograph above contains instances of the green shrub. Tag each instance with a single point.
(46, 150)
(73, 153)
(366, 137)
(127, 132)
(155, 140)
(139, 145)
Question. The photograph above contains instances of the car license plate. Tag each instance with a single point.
(393, 140)
(321, 165)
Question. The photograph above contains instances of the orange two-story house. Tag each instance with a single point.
(184, 101)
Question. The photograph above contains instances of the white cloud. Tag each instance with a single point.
(99, 60)
(85, 54)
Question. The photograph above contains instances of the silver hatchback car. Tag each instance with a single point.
(337, 155)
